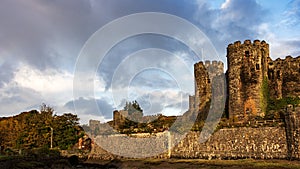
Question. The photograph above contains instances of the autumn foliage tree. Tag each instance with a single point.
(33, 129)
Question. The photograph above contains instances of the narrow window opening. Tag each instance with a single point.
(278, 74)
(247, 53)
(272, 74)
(257, 66)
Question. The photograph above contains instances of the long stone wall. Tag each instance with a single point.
(231, 143)
(226, 143)
(141, 145)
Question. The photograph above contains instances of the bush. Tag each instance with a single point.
(279, 104)
(43, 153)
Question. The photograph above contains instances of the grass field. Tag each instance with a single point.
(205, 164)
(27, 163)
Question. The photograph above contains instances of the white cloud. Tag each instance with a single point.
(30, 87)
(46, 81)
(280, 48)
(51, 83)
(225, 4)
(166, 101)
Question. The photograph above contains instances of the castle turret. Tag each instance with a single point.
(205, 74)
(247, 70)
(202, 89)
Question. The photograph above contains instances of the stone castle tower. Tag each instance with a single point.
(253, 78)
(247, 70)
(205, 73)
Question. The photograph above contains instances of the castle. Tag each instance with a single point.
(252, 78)
(247, 88)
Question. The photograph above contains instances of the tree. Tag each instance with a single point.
(66, 130)
(33, 129)
(132, 107)
(134, 110)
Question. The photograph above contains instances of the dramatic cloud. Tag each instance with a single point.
(85, 106)
(15, 99)
(41, 40)
(234, 20)
(168, 102)
(6, 74)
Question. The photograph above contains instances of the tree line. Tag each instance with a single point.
(36, 129)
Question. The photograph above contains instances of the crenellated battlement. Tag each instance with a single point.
(214, 63)
(199, 65)
(247, 43)
(288, 59)
(209, 63)
(213, 67)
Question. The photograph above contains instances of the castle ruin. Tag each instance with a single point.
(253, 77)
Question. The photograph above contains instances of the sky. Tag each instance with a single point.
(42, 43)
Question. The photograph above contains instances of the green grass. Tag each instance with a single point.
(29, 164)
(170, 163)
(248, 163)
(3, 157)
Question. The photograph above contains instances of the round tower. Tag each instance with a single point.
(247, 72)
(202, 89)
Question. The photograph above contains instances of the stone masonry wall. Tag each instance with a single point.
(142, 145)
(233, 143)
(292, 123)
(227, 143)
